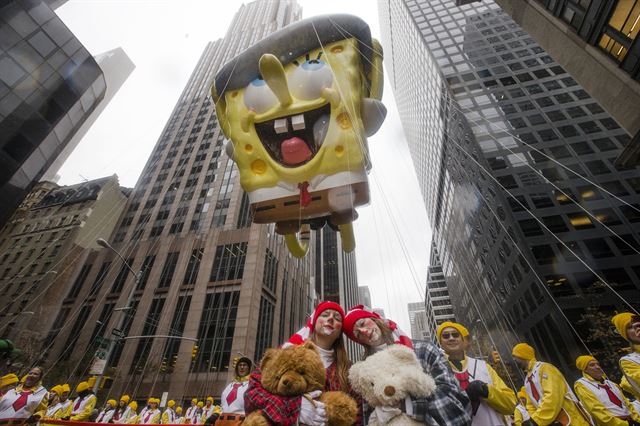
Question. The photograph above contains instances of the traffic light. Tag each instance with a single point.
(495, 357)
(194, 352)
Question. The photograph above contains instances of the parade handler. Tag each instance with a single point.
(28, 400)
(602, 398)
(550, 400)
(628, 326)
(491, 399)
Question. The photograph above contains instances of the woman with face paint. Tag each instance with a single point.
(324, 329)
(448, 405)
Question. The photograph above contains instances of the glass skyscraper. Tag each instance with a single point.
(534, 225)
(49, 85)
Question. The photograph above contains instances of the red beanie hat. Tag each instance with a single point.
(303, 334)
(358, 312)
(355, 313)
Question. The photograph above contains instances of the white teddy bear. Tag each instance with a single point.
(386, 378)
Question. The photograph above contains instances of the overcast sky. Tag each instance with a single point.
(165, 39)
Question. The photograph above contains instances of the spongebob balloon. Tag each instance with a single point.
(297, 107)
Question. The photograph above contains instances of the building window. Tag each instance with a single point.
(77, 285)
(580, 220)
(191, 274)
(102, 274)
(139, 362)
(171, 348)
(265, 326)
(626, 244)
(118, 284)
(145, 271)
(270, 274)
(75, 333)
(245, 215)
(228, 263)
(103, 321)
(621, 29)
(530, 227)
(555, 223)
(215, 333)
(169, 267)
(544, 254)
(598, 248)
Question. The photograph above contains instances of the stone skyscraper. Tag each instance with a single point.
(535, 226)
(206, 272)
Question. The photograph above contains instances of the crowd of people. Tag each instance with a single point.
(468, 391)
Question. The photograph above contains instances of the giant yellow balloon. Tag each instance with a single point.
(297, 108)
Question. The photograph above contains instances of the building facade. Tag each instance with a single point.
(437, 300)
(364, 295)
(335, 277)
(41, 246)
(116, 67)
(533, 222)
(596, 42)
(49, 85)
(418, 320)
(206, 272)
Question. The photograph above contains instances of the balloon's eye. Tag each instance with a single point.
(308, 79)
(259, 97)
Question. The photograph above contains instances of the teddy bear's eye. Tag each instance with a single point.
(371, 384)
(302, 371)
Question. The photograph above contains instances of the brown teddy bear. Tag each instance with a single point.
(297, 371)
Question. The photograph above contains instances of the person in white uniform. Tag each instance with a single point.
(233, 395)
(28, 400)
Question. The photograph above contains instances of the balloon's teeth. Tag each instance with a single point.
(281, 125)
(297, 122)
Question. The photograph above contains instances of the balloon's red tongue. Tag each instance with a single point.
(295, 151)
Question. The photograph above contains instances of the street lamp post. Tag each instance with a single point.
(123, 317)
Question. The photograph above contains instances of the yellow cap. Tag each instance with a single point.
(523, 351)
(621, 321)
(194, 400)
(82, 386)
(133, 405)
(200, 404)
(171, 403)
(66, 388)
(125, 398)
(57, 389)
(461, 328)
(209, 399)
(112, 403)
(154, 401)
(179, 410)
(9, 379)
(583, 360)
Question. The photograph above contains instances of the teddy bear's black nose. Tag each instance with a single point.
(389, 390)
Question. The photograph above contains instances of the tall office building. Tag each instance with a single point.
(437, 299)
(418, 321)
(336, 277)
(532, 221)
(596, 42)
(116, 67)
(206, 272)
(49, 85)
(364, 296)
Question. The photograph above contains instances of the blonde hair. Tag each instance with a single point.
(386, 334)
(342, 360)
